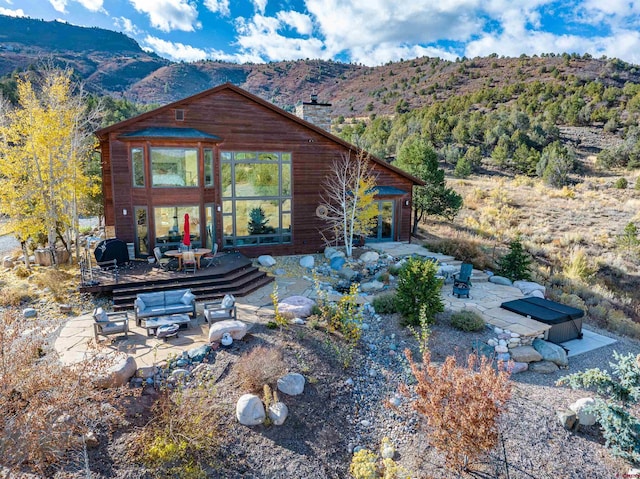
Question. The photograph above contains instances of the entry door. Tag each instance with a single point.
(383, 230)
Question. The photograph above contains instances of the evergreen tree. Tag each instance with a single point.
(516, 264)
(258, 222)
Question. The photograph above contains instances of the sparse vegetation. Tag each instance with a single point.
(467, 320)
(262, 365)
(418, 287)
(385, 303)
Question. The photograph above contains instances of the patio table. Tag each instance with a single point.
(153, 324)
(197, 252)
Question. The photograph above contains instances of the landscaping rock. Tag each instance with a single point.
(525, 354)
(580, 406)
(568, 419)
(500, 280)
(7, 262)
(347, 273)
(266, 260)
(371, 286)
(250, 410)
(298, 306)
(307, 261)
(278, 413)
(65, 308)
(517, 367)
(370, 257)
(198, 354)
(279, 271)
(291, 384)
(528, 286)
(503, 357)
(146, 372)
(536, 293)
(330, 252)
(543, 367)
(337, 262)
(237, 329)
(118, 374)
(91, 440)
(29, 313)
(500, 349)
(551, 352)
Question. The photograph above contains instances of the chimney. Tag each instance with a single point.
(317, 113)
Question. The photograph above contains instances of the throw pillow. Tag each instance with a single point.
(100, 315)
(140, 304)
(228, 301)
(188, 297)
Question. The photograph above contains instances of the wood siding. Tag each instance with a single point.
(243, 125)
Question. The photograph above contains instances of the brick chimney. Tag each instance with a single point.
(317, 113)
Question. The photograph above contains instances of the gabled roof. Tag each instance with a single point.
(103, 133)
(171, 133)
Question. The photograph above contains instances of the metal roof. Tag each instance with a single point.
(388, 191)
(167, 132)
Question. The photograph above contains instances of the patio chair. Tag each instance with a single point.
(222, 309)
(107, 324)
(210, 258)
(189, 262)
(166, 264)
(462, 280)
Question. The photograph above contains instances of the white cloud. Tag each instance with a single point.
(126, 25)
(92, 5)
(260, 6)
(59, 5)
(168, 15)
(174, 50)
(298, 21)
(12, 13)
(218, 6)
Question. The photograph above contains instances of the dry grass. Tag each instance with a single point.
(262, 365)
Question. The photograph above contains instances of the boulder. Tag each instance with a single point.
(528, 286)
(307, 261)
(501, 349)
(551, 352)
(500, 280)
(517, 367)
(298, 306)
(525, 354)
(118, 374)
(483, 349)
(369, 257)
(7, 262)
(266, 260)
(371, 286)
(337, 262)
(250, 410)
(347, 273)
(146, 372)
(580, 408)
(330, 252)
(198, 354)
(278, 413)
(543, 367)
(568, 419)
(29, 313)
(237, 329)
(536, 293)
(291, 384)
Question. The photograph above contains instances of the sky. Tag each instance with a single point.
(369, 32)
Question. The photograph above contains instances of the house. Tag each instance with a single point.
(248, 174)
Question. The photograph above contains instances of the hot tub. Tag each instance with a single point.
(565, 321)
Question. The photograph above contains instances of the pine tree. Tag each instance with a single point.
(516, 264)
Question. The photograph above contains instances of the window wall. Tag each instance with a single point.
(256, 197)
(169, 225)
(174, 167)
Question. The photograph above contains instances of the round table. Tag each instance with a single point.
(197, 252)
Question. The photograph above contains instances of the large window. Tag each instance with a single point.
(174, 166)
(169, 225)
(256, 197)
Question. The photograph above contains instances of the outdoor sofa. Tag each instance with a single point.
(164, 303)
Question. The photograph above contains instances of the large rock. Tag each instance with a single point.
(543, 367)
(299, 306)
(291, 384)
(500, 280)
(198, 354)
(347, 273)
(278, 413)
(237, 329)
(250, 410)
(517, 367)
(7, 262)
(369, 257)
(568, 419)
(580, 408)
(266, 260)
(371, 286)
(29, 313)
(337, 262)
(528, 286)
(525, 354)
(551, 352)
(118, 374)
(536, 293)
(331, 252)
(307, 261)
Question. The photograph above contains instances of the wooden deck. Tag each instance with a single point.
(232, 273)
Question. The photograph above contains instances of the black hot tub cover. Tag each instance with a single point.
(543, 310)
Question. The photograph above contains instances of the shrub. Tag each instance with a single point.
(418, 287)
(638, 183)
(383, 277)
(385, 303)
(515, 265)
(466, 320)
(621, 183)
(262, 365)
(394, 270)
(462, 406)
(621, 390)
(366, 464)
(619, 322)
(578, 267)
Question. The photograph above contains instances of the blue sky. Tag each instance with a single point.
(371, 32)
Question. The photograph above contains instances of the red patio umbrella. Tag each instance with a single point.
(187, 236)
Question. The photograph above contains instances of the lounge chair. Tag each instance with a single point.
(107, 324)
(462, 280)
(210, 258)
(219, 310)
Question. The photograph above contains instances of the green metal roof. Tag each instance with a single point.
(173, 133)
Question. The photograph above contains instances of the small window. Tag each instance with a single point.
(137, 166)
(208, 167)
(179, 115)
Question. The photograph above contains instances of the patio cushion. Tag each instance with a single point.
(157, 310)
(153, 299)
(100, 315)
(188, 298)
(228, 301)
(174, 308)
(140, 304)
(174, 297)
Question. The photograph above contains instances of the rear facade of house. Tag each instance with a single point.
(248, 174)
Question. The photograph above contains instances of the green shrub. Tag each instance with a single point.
(385, 303)
(638, 183)
(515, 265)
(467, 321)
(419, 287)
(383, 277)
(621, 183)
(394, 270)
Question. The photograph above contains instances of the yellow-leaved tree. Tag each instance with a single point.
(347, 202)
(45, 143)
